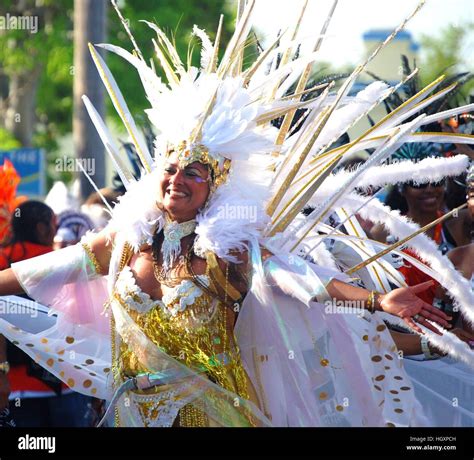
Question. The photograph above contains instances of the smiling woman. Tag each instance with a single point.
(184, 191)
(210, 318)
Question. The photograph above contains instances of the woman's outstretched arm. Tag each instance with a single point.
(402, 302)
(9, 284)
(12, 280)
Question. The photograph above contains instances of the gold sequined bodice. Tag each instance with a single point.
(189, 324)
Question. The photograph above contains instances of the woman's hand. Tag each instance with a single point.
(404, 302)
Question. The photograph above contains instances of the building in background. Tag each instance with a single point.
(386, 66)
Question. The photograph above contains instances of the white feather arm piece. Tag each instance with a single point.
(400, 227)
(427, 170)
(447, 343)
(384, 151)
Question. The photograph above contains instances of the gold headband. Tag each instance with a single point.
(200, 153)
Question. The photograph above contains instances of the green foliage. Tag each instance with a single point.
(442, 53)
(7, 141)
(50, 51)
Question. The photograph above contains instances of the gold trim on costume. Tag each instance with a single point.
(97, 267)
(219, 279)
(192, 416)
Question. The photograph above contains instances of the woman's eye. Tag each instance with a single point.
(170, 170)
(192, 173)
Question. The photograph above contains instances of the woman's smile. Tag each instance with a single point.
(176, 194)
(184, 190)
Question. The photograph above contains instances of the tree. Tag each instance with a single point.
(442, 53)
(89, 26)
(34, 30)
(37, 71)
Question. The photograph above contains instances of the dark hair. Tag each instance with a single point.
(395, 199)
(25, 219)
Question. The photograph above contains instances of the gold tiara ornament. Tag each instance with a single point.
(219, 166)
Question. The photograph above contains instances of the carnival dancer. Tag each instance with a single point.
(193, 307)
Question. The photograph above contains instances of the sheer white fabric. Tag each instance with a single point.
(75, 347)
(309, 368)
(445, 388)
(317, 369)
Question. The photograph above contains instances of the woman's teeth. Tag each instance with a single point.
(178, 194)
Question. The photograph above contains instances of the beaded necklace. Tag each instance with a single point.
(173, 233)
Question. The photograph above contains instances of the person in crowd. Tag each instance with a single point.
(37, 398)
(72, 226)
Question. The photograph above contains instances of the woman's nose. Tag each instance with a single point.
(177, 177)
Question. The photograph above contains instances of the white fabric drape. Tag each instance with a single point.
(309, 367)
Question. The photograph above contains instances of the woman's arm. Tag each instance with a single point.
(299, 279)
(410, 344)
(9, 285)
(401, 302)
(42, 277)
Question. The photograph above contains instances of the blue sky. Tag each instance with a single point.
(353, 17)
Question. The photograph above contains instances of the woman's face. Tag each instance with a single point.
(183, 191)
(425, 199)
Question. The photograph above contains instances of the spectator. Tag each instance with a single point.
(72, 226)
(37, 397)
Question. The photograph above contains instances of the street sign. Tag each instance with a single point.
(30, 165)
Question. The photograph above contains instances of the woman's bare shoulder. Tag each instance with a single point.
(101, 245)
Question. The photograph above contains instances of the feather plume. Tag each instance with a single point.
(207, 52)
(122, 109)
